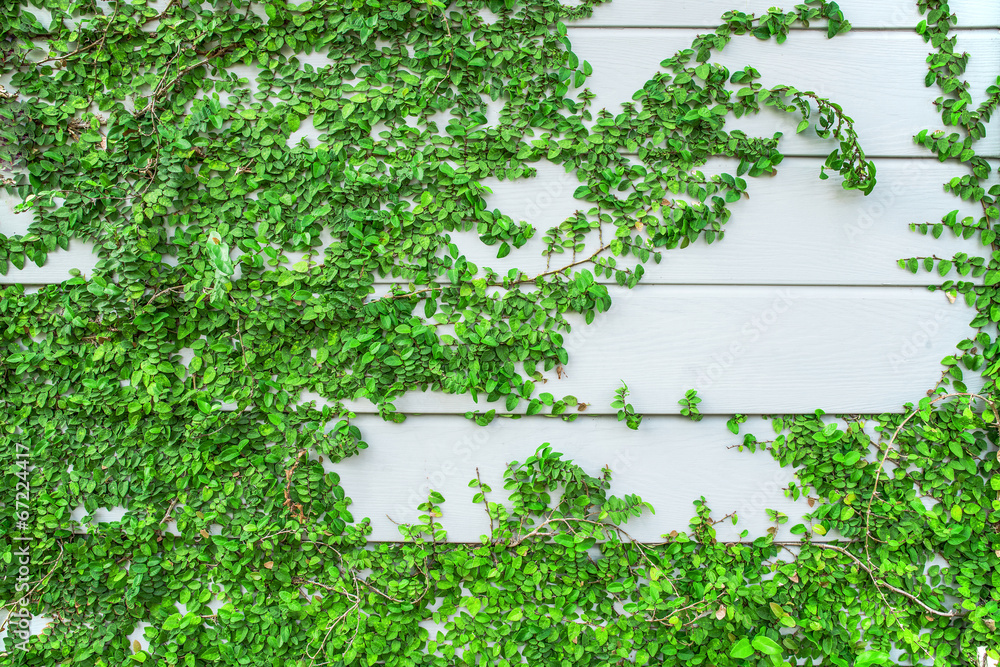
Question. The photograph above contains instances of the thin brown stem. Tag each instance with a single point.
(881, 583)
(519, 281)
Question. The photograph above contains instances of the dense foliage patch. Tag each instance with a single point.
(170, 381)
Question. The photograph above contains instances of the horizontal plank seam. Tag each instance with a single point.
(649, 284)
(669, 283)
(871, 156)
(792, 544)
(644, 283)
(613, 415)
(787, 543)
(804, 156)
(718, 415)
(866, 29)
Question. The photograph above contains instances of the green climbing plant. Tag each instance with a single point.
(239, 266)
(626, 412)
(689, 405)
(939, 503)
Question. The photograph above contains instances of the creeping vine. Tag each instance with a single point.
(241, 266)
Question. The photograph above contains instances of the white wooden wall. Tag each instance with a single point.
(800, 307)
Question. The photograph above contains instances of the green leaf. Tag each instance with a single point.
(869, 658)
(766, 645)
(741, 649)
(564, 540)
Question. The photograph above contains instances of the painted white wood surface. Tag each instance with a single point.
(752, 349)
(842, 341)
(889, 103)
(877, 77)
(793, 230)
(705, 13)
(669, 462)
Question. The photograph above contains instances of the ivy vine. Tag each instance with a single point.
(129, 129)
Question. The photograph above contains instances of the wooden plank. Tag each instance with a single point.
(57, 265)
(900, 14)
(754, 350)
(888, 102)
(668, 461)
(404, 462)
(794, 230)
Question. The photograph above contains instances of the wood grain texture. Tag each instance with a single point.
(763, 350)
(669, 462)
(892, 14)
(793, 230)
(771, 345)
(57, 264)
(900, 14)
(888, 101)
(877, 77)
